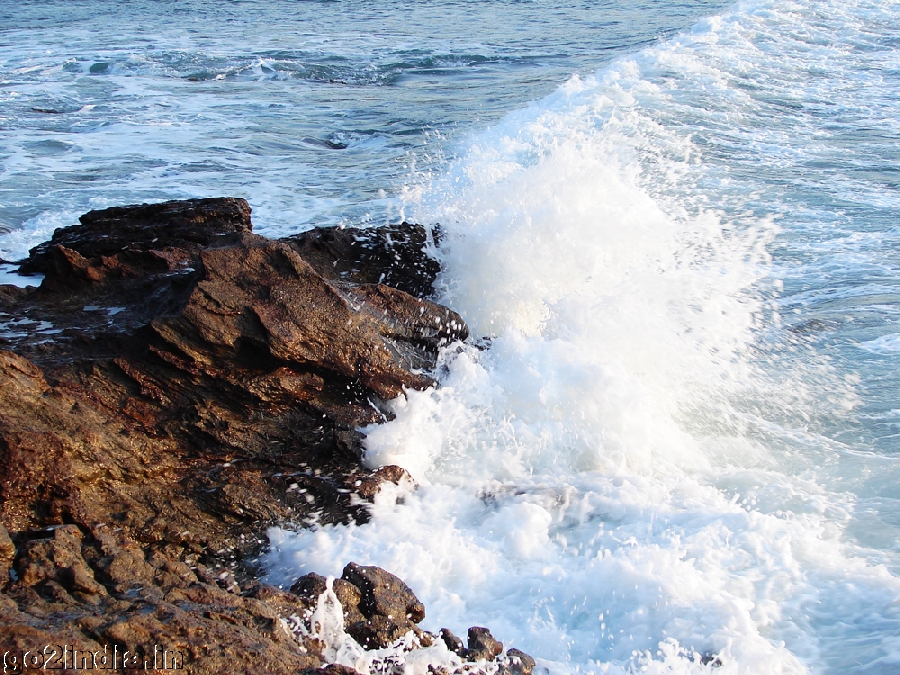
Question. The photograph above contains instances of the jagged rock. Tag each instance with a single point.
(393, 255)
(389, 607)
(250, 357)
(284, 603)
(312, 585)
(57, 563)
(482, 645)
(259, 304)
(516, 662)
(377, 631)
(72, 588)
(371, 485)
(384, 594)
(181, 224)
(454, 644)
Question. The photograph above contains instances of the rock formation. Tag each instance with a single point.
(176, 385)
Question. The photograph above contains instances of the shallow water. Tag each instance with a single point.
(683, 439)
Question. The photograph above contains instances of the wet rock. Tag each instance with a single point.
(516, 662)
(384, 594)
(482, 645)
(284, 604)
(312, 585)
(394, 255)
(711, 660)
(371, 485)
(259, 304)
(7, 555)
(454, 644)
(377, 631)
(389, 607)
(331, 669)
(182, 224)
(179, 385)
(252, 357)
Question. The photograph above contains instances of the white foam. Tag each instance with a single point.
(886, 344)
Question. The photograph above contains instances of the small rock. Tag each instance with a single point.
(312, 585)
(384, 594)
(330, 669)
(454, 644)
(482, 645)
(378, 631)
(516, 662)
(371, 485)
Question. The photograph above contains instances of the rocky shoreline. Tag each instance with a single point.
(176, 385)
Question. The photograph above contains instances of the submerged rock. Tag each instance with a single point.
(176, 385)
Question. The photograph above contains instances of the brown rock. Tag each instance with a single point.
(384, 594)
(260, 305)
(394, 255)
(369, 486)
(311, 586)
(378, 631)
(454, 644)
(331, 669)
(283, 603)
(482, 645)
(516, 662)
(200, 625)
(189, 224)
(7, 555)
(58, 563)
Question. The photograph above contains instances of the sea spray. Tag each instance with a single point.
(325, 623)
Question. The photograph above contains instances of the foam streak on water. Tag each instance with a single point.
(667, 450)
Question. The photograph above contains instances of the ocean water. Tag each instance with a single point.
(673, 447)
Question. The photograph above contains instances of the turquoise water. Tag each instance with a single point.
(676, 223)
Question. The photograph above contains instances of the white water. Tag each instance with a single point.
(647, 465)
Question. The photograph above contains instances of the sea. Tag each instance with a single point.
(673, 443)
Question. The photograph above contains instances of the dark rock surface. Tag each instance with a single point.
(482, 645)
(145, 230)
(371, 256)
(388, 607)
(176, 385)
(312, 585)
(517, 663)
